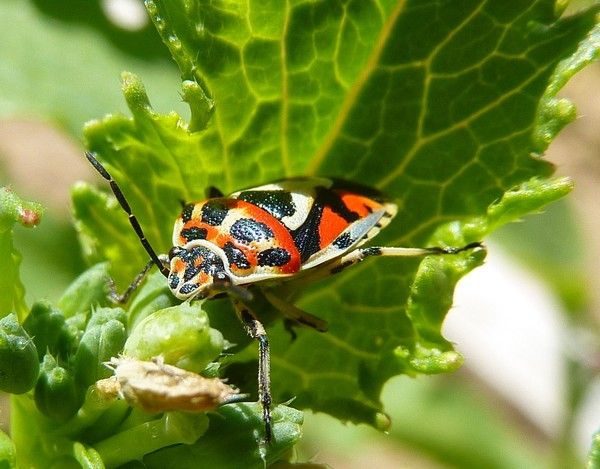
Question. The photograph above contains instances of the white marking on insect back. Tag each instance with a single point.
(359, 231)
(302, 191)
(303, 202)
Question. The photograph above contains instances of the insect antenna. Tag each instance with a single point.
(125, 206)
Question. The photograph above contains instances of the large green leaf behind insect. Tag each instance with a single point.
(439, 103)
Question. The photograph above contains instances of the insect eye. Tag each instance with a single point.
(174, 251)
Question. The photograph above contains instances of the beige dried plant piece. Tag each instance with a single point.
(157, 387)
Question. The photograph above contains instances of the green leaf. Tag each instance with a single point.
(13, 210)
(440, 104)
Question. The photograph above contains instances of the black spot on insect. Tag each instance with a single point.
(343, 241)
(186, 214)
(193, 232)
(214, 212)
(277, 203)
(190, 273)
(188, 288)
(248, 230)
(274, 257)
(306, 236)
(173, 281)
(236, 256)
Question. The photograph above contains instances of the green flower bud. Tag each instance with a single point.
(76, 327)
(56, 393)
(46, 326)
(89, 289)
(104, 338)
(103, 315)
(19, 362)
(180, 334)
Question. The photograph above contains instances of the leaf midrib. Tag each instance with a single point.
(354, 92)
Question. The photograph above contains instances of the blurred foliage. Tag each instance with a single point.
(447, 419)
(66, 70)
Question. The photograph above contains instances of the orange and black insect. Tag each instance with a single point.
(266, 235)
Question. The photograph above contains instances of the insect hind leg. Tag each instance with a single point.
(294, 313)
(256, 330)
(361, 254)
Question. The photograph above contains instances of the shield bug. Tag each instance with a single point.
(261, 236)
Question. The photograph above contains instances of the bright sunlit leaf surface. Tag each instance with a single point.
(444, 105)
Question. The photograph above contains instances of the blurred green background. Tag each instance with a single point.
(60, 64)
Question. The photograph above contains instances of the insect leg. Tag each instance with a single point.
(115, 297)
(361, 254)
(125, 206)
(256, 330)
(294, 313)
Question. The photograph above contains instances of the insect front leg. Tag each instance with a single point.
(256, 330)
(361, 254)
(122, 298)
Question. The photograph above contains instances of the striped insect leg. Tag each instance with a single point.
(256, 330)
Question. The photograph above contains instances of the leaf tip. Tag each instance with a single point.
(134, 91)
(201, 106)
(382, 422)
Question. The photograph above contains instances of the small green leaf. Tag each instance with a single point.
(13, 210)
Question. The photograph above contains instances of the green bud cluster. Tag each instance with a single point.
(60, 351)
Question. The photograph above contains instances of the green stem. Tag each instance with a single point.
(93, 408)
(132, 444)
